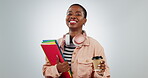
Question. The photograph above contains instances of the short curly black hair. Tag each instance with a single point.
(85, 12)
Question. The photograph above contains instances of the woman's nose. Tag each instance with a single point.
(72, 17)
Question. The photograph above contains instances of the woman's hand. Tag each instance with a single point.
(63, 67)
(102, 66)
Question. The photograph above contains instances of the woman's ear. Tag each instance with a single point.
(85, 20)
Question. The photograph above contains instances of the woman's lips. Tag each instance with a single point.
(72, 22)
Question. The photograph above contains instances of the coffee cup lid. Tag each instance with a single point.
(97, 57)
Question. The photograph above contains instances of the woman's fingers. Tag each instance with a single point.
(102, 62)
(102, 66)
(63, 67)
(66, 65)
(66, 69)
(57, 59)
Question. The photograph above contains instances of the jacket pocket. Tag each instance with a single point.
(84, 69)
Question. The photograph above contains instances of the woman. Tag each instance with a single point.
(78, 49)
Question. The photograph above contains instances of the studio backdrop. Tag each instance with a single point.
(120, 26)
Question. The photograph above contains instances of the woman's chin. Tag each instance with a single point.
(72, 26)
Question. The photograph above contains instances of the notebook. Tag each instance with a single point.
(53, 54)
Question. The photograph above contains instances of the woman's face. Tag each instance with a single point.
(75, 18)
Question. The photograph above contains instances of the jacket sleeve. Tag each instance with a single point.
(99, 51)
(50, 70)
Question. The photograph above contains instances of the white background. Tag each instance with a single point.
(119, 25)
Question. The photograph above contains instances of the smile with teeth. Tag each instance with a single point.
(72, 22)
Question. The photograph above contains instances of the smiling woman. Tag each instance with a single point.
(78, 50)
(76, 17)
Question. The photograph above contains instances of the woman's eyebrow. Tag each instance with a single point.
(78, 11)
(69, 11)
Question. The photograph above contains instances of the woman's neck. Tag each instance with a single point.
(74, 32)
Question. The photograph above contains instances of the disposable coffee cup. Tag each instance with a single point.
(96, 62)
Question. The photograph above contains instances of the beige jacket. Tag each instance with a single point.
(81, 63)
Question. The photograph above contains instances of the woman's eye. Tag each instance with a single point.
(69, 14)
(78, 14)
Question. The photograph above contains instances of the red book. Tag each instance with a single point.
(53, 53)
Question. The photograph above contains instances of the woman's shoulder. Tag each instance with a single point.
(59, 40)
(94, 41)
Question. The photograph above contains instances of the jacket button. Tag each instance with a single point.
(87, 60)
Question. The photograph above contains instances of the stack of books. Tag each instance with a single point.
(54, 54)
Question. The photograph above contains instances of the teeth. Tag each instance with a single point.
(72, 21)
